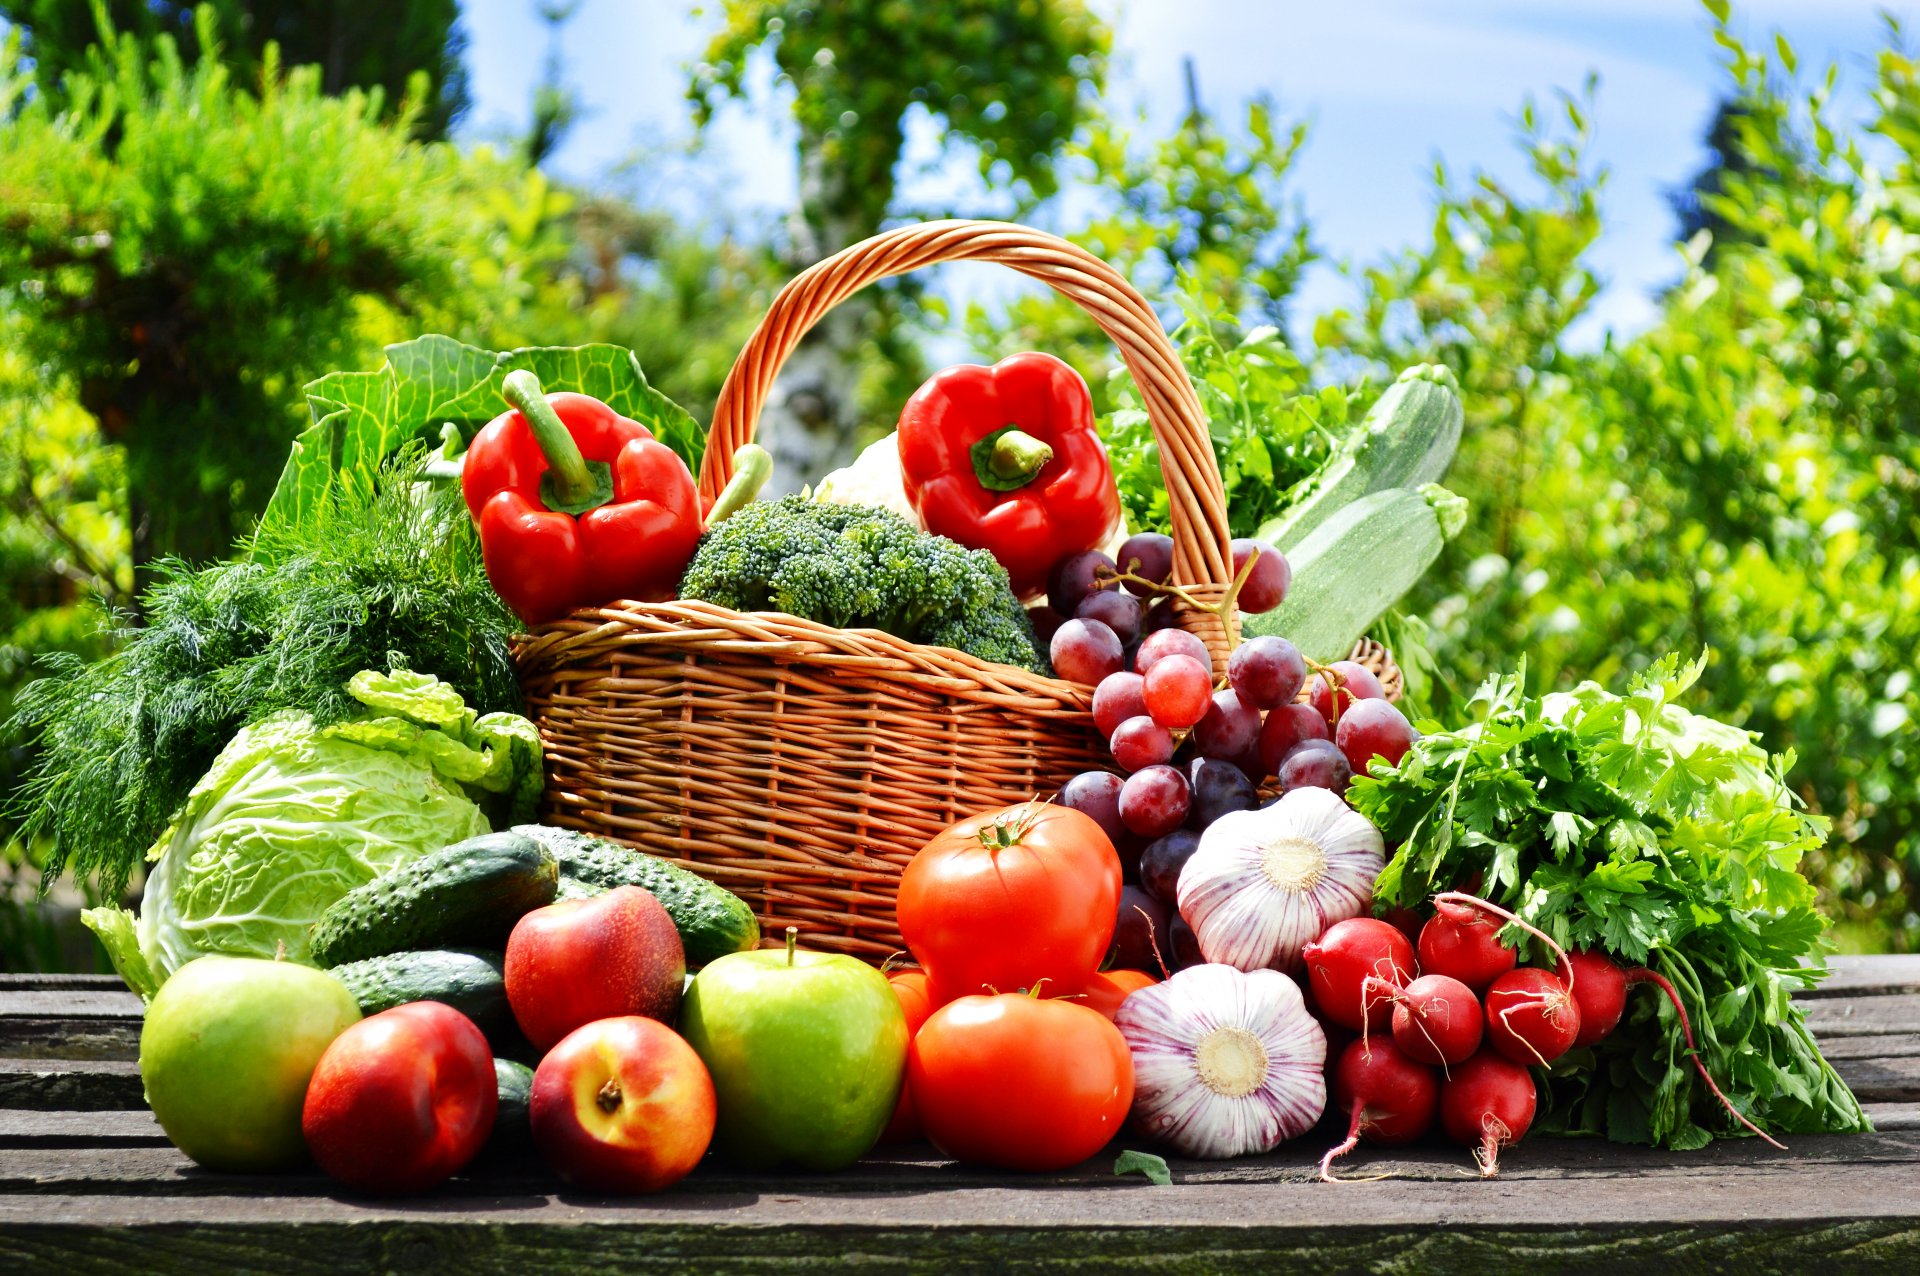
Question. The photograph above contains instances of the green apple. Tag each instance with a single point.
(227, 1049)
(807, 1051)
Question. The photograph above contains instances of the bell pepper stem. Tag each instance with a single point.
(572, 481)
(752, 467)
(1009, 459)
(1018, 455)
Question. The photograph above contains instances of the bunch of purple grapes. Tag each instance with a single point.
(1190, 752)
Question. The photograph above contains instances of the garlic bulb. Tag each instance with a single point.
(1264, 884)
(1224, 1063)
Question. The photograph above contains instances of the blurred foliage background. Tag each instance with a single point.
(201, 209)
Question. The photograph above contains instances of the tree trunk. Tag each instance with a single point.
(811, 419)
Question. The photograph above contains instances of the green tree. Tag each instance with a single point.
(363, 44)
(1009, 78)
(184, 252)
(1744, 476)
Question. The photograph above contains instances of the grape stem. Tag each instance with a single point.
(1226, 609)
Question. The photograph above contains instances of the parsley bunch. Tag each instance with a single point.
(1669, 840)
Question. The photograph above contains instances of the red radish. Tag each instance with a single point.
(1531, 1017)
(1404, 920)
(1389, 1097)
(1340, 963)
(1486, 1104)
(1464, 943)
(1436, 1019)
(1601, 993)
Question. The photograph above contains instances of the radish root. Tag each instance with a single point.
(1644, 975)
(1493, 1135)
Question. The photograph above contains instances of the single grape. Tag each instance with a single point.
(1046, 621)
(1251, 766)
(1074, 577)
(1267, 586)
(1139, 931)
(1096, 795)
(1153, 802)
(1178, 691)
(1315, 764)
(1356, 683)
(1160, 616)
(1085, 651)
(1117, 698)
(1370, 729)
(1284, 728)
(1267, 671)
(1148, 555)
(1139, 743)
(1230, 726)
(1117, 611)
(1186, 945)
(1170, 642)
(1217, 787)
(1161, 862)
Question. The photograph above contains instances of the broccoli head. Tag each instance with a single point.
(859, 567)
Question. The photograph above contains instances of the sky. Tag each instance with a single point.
(1388, 86)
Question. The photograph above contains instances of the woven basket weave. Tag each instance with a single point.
(801, 766)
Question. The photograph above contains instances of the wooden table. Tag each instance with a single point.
(88, 1182)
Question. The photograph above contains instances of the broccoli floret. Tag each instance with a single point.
(858, 567)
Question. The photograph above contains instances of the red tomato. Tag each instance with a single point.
(401, 1100)
(1010, 898)
(1106, 990)
(1019, 1082)
(910, 986)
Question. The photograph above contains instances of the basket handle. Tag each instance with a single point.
(1196, 499)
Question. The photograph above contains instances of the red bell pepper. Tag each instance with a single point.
(576, 504)
(1005, 459)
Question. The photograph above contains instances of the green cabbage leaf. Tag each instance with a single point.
(291, 816)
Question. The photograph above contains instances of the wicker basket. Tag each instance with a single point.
(801, 766)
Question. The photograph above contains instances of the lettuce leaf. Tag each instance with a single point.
(361, 418)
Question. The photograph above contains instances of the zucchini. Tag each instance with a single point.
(1357, 564)
(712, 922)
(1408, 438)
(513, 1122)
(472, 981)
(470, 893)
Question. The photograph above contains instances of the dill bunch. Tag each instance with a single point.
(384, 573)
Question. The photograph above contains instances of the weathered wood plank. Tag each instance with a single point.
(69, 1003)
(62, 1037)
(1863, 1016)
(1853, 1223)
(1881, 1080)
(70, 1084)
(1888, 1117)
(10, 983)
(78, 1129)
(1870, 975)
(1894, 1045)
(160, 1170)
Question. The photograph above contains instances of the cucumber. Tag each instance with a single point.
(1359, 563)
(512, 1123)
(1409, 438)
(470, 893)
(472, 981)
(712, 922)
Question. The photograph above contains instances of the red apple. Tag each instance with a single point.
(910, 986)
(401, 1100)
(622, 1105)
(580, 960)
